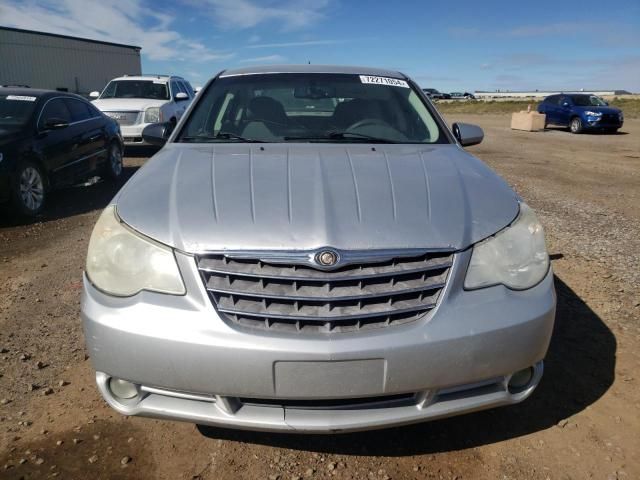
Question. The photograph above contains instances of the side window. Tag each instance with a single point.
(174, 89)
(79, 110)
(94, 111)
(189, 89)
(55, 108)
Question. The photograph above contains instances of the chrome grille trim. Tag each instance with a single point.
(296, 297)
(129, 117)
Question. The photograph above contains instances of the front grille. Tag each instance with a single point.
(610, 118)
(299, 298)
(124, 118)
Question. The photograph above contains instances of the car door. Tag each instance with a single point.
(565, 106)
(549, 108)
(92, 149)
(58, 146)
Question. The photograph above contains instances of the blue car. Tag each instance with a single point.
(581, 112)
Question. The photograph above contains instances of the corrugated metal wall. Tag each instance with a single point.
(43, 61)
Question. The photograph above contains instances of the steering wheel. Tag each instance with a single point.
(368, 122)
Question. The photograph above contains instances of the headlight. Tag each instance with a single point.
(593, 114)
(515, 257)
(152, 115)
(122, 262)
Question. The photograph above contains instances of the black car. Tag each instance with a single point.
(52, 139)
(435, 94)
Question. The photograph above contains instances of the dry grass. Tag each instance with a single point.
(630, 107)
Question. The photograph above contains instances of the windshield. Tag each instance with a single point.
(311, 108)
(151, 89)
(15, 110)
(588, 101)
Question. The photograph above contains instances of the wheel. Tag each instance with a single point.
(28, 192)
(114, 161)
(576, 125)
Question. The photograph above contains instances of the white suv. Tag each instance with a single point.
(136, 101)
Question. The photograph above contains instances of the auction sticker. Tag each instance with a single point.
(21, 98)
(394, 82)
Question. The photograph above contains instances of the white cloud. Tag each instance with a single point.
(295, 44)
(119, 21)
(290, 14)
(265, 59)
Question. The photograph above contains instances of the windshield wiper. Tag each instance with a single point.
(345, 136)
(221, 136)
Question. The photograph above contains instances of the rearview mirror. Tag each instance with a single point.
(467, 134)
(157, 133)
(314, 92)
(182, 96)
(55, 123)
(94, 94)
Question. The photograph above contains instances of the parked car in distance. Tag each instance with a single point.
(52, 139)
(580, 112)
(313, 250)
(462, 96)
(137, 101)
(435, 94)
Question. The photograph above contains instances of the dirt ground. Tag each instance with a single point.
(583, 421)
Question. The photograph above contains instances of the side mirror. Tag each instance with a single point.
(94, 94)
(157, 133)
(55, 123)
(467, 134)
(181, 96)
(565, 104)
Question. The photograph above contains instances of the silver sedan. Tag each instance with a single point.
(313, 250)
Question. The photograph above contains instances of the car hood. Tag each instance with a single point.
(610, 110)
(208, 197)
(118, 104)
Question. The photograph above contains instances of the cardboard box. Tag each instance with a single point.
(528, 121)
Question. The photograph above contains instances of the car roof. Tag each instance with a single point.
(266, 69)
(36, 92)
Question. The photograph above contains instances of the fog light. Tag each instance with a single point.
(520, 380)
(122, 389)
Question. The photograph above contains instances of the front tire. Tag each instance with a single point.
(29, 193)
(576, 125)
(114, 162)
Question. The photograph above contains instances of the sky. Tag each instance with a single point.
(452, 46)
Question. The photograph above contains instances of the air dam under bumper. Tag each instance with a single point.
(190, 365)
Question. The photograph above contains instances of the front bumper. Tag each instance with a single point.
(591, 124)
(190, 365)
(132, 134)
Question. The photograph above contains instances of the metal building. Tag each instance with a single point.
(60, 62)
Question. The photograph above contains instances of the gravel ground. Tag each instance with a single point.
(582, 422)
